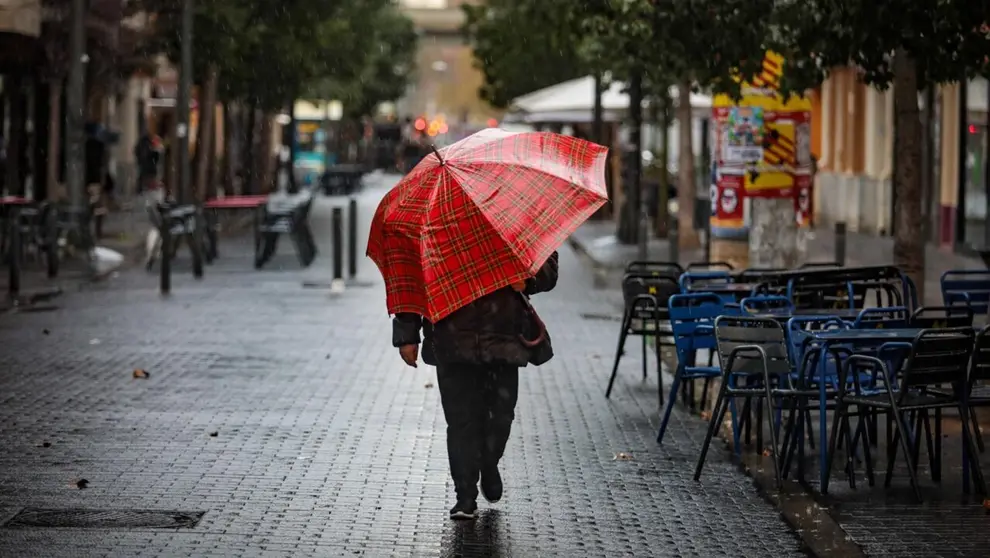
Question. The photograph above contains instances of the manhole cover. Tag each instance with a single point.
(105, 519)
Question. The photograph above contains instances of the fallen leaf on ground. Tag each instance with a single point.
(706, 415)
(141, 373)
(81, 484)
(214, 434)
(986, 504)
(46, 444)
(767, 452)
(428, 385)
(46, 331)
(94, 341)
(622, 456)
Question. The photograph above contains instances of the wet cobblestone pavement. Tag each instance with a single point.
(283, 413)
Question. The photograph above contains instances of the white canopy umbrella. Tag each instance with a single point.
(572, 101)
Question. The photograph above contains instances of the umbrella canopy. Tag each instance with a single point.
(481, 214)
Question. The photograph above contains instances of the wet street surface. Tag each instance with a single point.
(277, 420)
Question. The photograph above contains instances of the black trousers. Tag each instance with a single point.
(479, 403)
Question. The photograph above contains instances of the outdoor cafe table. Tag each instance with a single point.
(736, 291)
(214, 206)
(858, 339)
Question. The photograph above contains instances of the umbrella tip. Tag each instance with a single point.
(437, 153)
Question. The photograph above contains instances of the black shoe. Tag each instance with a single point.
(491, 485)
(464, 510)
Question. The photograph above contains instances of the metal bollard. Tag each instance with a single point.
(165, 282)
(352, 229)
(674, 240)
(14, 268)
(338, 243)
(840, 243)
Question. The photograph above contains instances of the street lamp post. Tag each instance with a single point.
(182, 101)
(75, 89)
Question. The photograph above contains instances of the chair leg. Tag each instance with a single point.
(626, 322)
(721, 404)
(671, 401)
(833, 443)
(974, 457)
(645, 362)
(657, 352)
(705, 387)
(775, 447)
(976, 429)
(811, 429)
(862, 428)
(905, 442)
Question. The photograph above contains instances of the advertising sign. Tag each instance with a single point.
(727, 207)
(804, 200)
(764, 139)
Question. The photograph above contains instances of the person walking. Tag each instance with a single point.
(478, 350)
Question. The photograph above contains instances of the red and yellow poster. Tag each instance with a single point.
(764, 138)
(727, 206)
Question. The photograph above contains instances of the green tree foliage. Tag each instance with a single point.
(521, 46)
(907, 44)
(269, 53)
(388, 64)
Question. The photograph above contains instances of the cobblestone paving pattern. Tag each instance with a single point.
(325, 444)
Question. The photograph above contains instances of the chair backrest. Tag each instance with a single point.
(733, 332)
(824, 292)
(666, 268)
(938, 356)
(882, 318)
(691, 278)
(661, 287)
(756, 275)
(973, 287)
(765, 303)
(940, 317)
(690, 311)
(710, 266)
(868, 293)
(820, 265)
(799, 331)
(980, 363)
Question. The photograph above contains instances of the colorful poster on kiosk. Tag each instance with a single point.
(763, 141)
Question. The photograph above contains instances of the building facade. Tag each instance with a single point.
(447, 82)
(852, 136)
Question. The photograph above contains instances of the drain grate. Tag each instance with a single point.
(105, 519)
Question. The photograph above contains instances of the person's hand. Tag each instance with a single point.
(519, 286)
(409, 354)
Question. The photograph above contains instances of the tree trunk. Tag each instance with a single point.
(54, 138)
(204, 146)
(663, 129)
(597, 112)
(686, 187)
(250, 183)
(264, 157)
(909, 245)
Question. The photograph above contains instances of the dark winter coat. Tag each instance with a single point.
(483, 332)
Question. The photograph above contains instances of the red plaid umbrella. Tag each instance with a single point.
(480, 215)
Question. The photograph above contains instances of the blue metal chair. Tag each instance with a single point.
(893, 317)
(692, 320)
(690, 279)
(767, 304)
(969, 287)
